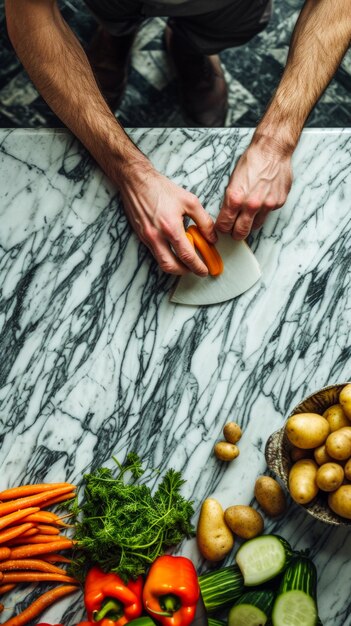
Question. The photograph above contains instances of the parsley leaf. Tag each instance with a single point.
(122, 526)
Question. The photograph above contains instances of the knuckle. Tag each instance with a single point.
(234, 197)
(147, 234)
(242, 230)
(166, 265)
(253, 205)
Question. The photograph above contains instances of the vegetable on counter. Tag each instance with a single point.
(123, 527)
(296, 600)
(263, 558)
(220, 588)
(38, 606)
(253, 608)
(225, 451)
(270, 496)
(214, 538)
(107, 597)
(244, 521)
(232, 432)
(171, 591)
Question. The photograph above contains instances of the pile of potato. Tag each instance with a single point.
(228, 450)
(321, 455)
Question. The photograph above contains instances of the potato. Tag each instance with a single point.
(347, 469)
(302, 481)
(214, 538)
(307, 430)
(329, 476)
(270, 496)
(299, 453)
(340, 501)
(336, 417)
(345, 400)
(244, 521)
(321, 455)
(338, 445)
(232, 432)
(226, 451)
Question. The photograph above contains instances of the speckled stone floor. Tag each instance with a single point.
(252, 72)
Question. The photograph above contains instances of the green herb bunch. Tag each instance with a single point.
(121, 526)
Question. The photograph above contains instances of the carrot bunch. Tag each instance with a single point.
(31, 541)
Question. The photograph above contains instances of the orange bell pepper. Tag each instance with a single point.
(109, 601)
(171, 591)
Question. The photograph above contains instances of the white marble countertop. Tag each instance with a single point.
(96, 360)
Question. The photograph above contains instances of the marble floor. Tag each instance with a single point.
(151, 97)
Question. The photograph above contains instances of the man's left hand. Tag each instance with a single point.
(260, 183)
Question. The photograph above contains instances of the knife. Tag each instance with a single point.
(240, 271)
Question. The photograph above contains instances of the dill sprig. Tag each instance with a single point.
(122, 526)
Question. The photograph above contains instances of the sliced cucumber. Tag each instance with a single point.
(252, 609)
(263, 558)
(221, 587)
(296, 603)
(294, 608)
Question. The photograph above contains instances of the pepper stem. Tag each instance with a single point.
(112, 609)
(169, 603)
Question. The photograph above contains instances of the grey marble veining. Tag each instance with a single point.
(96, 360)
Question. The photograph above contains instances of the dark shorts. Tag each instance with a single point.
(232, 23)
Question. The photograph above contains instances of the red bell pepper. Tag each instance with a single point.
(109, 601)
(171, 591)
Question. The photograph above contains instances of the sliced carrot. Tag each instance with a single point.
(46, 529)
(6, 588)
(57, 499)
(6, 520)
(23, 552)
(39, 498)
(10, 533)
(209, 253)
(55, 558)
(39, 605)
(4, 553)
(29, 490)
(36, 564)
(34, 577)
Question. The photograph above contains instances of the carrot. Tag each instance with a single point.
(39, 498)
(36, 564)
(6, 520)
(10, 533)
(62, 498)
(4, 553)
(46, 529)
(6, 588)
(36, 539)
(23, 552)
(34, 577)
(55, 558)
(45, 517)
(29, 490)
(209, 252)
(39, 605)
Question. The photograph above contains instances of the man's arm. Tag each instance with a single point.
(262, 178)
(59, 68)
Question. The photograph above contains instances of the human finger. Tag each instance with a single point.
(165, 257)
(243, 223)
(232, 204)
(185, 251)
(203, 220)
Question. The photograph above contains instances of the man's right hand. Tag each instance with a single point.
(156, 207)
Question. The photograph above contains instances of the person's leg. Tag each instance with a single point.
(110, 49)
(194, 43)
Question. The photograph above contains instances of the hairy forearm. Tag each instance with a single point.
(58, 66)
(321, 37)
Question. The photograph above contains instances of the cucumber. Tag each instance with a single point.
(221, 587)
(252, 609)
(212, 621)
(262, 558)
(296, 602)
